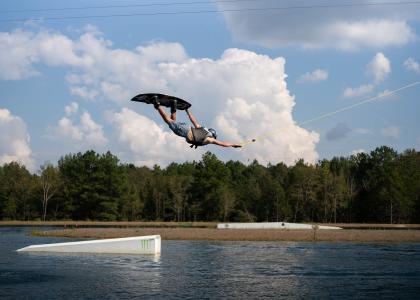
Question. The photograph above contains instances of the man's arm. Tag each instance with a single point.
(193, 119)
(223, 144)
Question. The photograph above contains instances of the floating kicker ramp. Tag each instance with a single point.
(149, 244)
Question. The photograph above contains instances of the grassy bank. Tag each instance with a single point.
(359, 235)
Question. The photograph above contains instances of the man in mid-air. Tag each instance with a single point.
(197, 135)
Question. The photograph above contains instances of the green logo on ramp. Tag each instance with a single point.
(144, 244)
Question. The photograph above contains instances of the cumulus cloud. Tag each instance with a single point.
(20, 50)
(391, 132)
(314, 76)
(379, 67)
(412, 65)
(340, 131)
(243, 94)
(14, 140)
(81, 133)
(67, 129)
(348, 28)
(72, 108)
(83, 92)
(162, 52)
(358, 91)
(93, 132)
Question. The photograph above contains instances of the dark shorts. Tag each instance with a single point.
(180, 129)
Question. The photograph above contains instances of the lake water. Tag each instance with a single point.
(212, 270)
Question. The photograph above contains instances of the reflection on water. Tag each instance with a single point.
(211, 270)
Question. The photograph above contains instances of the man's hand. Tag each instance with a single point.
(223, 144)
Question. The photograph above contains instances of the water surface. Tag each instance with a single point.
(212, 270)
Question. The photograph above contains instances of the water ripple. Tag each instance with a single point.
(212, 270)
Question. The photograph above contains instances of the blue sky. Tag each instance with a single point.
(66, 84)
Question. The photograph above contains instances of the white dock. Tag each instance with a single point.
(272, 225)
(149, 244)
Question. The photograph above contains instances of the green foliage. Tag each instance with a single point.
(381, 186)
(209, 187)
(17, 186)
(381, 189)
(93, 185)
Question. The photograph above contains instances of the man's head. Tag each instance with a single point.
(213, 133)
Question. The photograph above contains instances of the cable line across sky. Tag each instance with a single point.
(126, 6)
(250, 9)
(332, 113)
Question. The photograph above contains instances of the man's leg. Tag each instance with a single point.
(163, 114)
(173, 115)
(173, 110)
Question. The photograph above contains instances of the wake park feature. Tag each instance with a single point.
(150, 244)
(274, 225)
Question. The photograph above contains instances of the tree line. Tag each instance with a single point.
(381, 186)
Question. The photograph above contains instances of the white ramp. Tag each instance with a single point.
(272, 225)
(149, 244)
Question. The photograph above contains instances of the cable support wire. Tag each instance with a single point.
(238, 10)
(126, 6)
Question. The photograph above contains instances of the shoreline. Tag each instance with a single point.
(213, 225)
(210, 234)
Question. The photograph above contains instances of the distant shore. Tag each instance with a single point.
(374, 233)
(145, 224)
(354, 235)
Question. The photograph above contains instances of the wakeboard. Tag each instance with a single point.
(164, 100)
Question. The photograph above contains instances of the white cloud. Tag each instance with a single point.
(72, 108)
(411, 65)
(278, 138)
(357, 151)
(242, 93)
(83, 92)
(379, 67)
(391, 132)
(67, 129)
(20, 50)
(358, 91)
(347, 28)
(162, 52)
(314, 76)
(93, 132)
(389, 95)
(384, 93)
(14, 140)
(82, 135)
